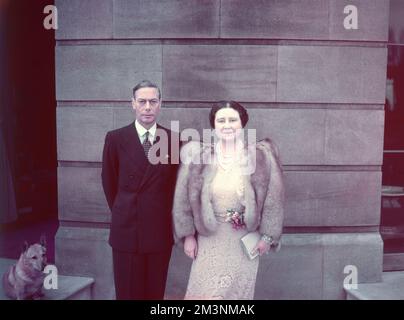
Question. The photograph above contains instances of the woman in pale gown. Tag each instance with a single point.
(224, 191)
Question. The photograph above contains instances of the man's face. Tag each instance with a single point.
(147, 106)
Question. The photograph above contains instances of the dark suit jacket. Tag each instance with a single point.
(139, 194)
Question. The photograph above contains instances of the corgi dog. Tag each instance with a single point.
(24, 280)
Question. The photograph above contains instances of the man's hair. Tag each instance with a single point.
(146, 84)
(228, 104)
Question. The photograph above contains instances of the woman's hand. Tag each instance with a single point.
(262, 247)
(190, 247)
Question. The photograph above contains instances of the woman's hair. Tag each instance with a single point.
(228, 104)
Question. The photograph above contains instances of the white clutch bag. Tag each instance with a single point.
(248, 242)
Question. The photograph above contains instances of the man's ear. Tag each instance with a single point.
(133, 104)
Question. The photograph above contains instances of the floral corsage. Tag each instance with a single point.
(235, 218)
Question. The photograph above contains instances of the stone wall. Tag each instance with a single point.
(316, 88)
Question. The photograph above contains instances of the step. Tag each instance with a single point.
(391, 288)
(69, 287)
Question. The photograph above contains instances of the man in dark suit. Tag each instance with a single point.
(139, 193)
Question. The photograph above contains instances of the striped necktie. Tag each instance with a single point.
(146, 144)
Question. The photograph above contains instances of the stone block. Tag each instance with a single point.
(219, 72)
(332, 198)
(363, 251)
(90, 19)
(81, 132)
(373, 20)
(293, 273)
(325, 74)
(359, 130)
(274, 19)
(166, 19)
(104, 72)
(86, 252)
(81, 197)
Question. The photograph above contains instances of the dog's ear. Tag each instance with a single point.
(42, 240)
(25, 246)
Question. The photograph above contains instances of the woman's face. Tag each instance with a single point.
(227, 122)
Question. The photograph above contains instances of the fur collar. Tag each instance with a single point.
(195, 177)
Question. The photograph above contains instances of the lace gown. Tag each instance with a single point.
(221, 269)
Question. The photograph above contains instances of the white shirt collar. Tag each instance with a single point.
(142, 130)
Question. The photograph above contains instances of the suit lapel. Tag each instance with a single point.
(152, 170)
(133, 147)
(131, 144)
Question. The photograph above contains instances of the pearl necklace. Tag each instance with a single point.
(229, 161)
